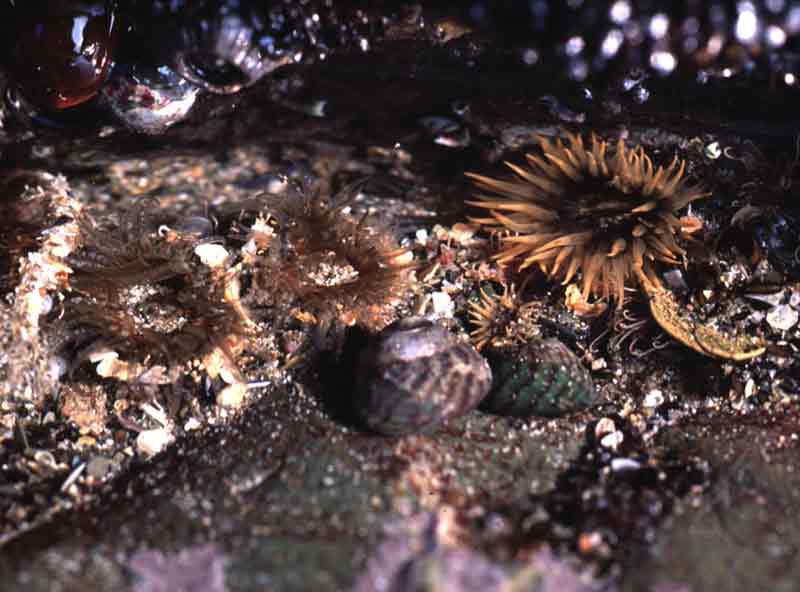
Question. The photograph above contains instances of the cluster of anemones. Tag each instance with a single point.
(155, 300)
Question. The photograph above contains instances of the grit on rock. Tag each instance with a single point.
(386, 297)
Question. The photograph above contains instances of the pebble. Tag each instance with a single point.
(86, 441)
(619, 465)
(462, 233)
(674, 278)
(612, 441)
(599, 364)
(736, 275)
(232, 396)
(191, 425)
(589, 542)
(604, 427)
(211, 254)
(151, 442)
(98, 467)
(443, 305)
(654, 398)
(45, 458)
(782, 317)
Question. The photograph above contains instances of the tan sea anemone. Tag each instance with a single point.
(153, 302)
(576, 208)
(331, 265)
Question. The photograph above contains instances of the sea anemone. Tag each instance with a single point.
(152, 300)
(575, 208)
(496, 318)
(312, 255)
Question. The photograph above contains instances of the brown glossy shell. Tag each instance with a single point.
(414, 375)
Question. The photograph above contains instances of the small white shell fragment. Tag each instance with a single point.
(712, 150)
(192, 424)
(612, 441)
(102, 354)
(619, 465)
(229, 375)
(443, 305)
(211, 254)
(654, 398)
(403, 258)
(155, 412)
(151, 442)
(154, 375)
(232, 396)
(440, 232)
(604, 427)
(462, 233)
(46, 304)
(109, 364)
(250, 248)
(57, 367)
(773, 299)
(782, 317)
(261, 225)
(213, 362)
(599, 364)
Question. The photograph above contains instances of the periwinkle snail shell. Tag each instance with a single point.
(542, 377)
(414, 375)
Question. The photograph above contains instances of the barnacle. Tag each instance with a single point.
(576, 208)
(333, 266)
(153, 301)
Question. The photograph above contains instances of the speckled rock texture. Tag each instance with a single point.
(179, 355)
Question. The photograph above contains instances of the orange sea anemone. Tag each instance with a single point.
(575, 208)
